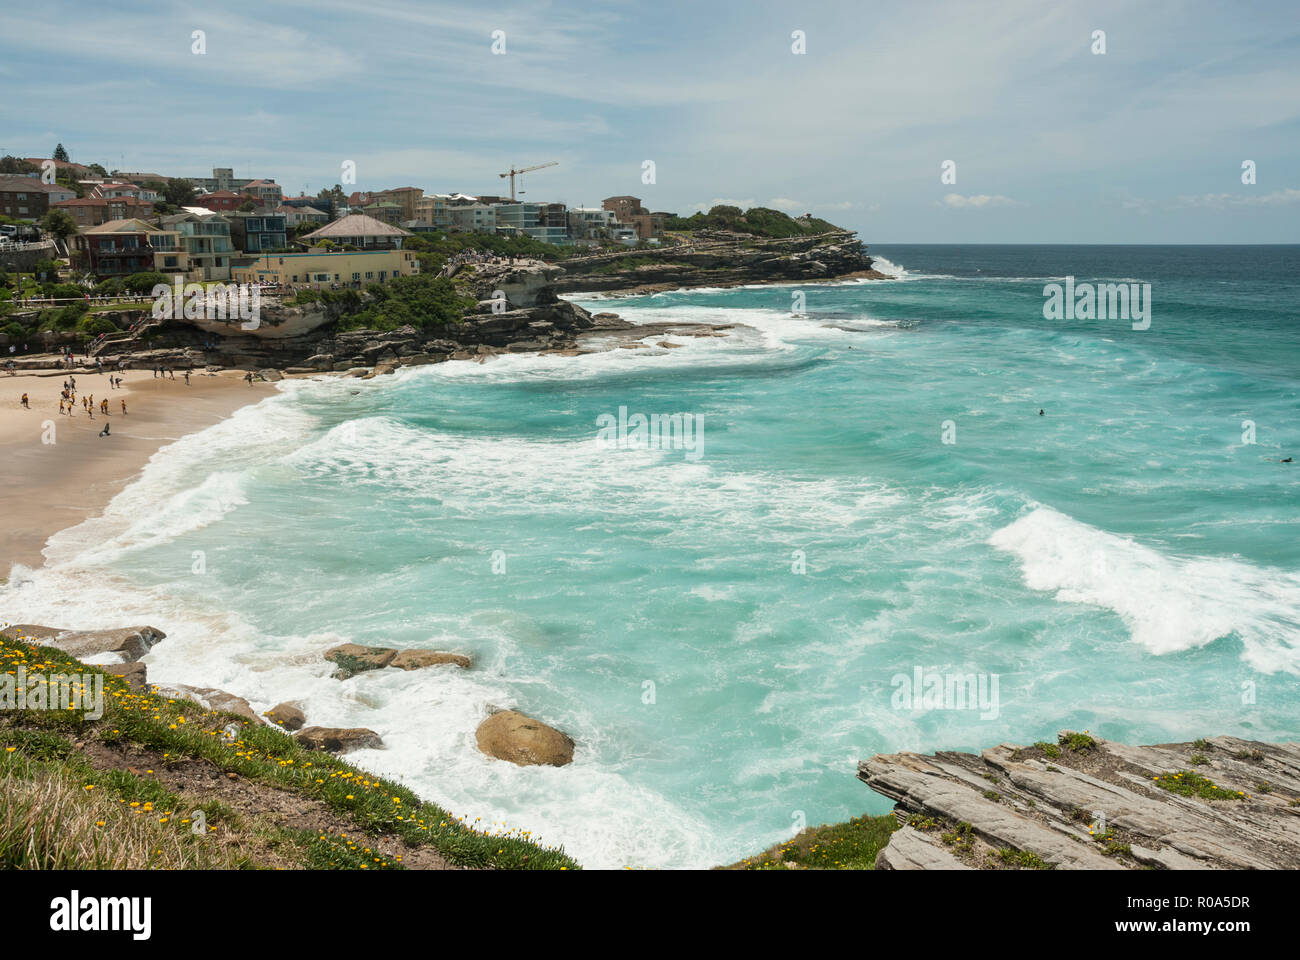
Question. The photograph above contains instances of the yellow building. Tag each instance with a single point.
(321, 270)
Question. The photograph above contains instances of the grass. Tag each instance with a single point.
(52, 819)
(1023, 859)
(1077, 742)
(841, 846)
(1049, 749)
(182, 731)
(1189, 783)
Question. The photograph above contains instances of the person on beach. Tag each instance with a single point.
(103, 407)
(104, 432)
(249, 377)
(124, 408)
(171, 371)
(25, 403)
(187, 378)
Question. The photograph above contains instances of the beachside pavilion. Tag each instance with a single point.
(358, 230)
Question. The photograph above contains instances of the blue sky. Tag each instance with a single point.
(1052, 143)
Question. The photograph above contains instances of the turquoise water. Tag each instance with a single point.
(720, 627)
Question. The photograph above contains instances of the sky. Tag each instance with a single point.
(1050, 140)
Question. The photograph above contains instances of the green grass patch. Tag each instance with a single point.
(1189, 783)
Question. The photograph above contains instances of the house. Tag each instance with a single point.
(472, 218)
(324, 270)
(116, 248)
(266, 191)
(27, 198)
(257, 232)
(588, 224)
(386, 211)
(93, 211)
(547, 222)
(76, 170)
(629, 210)
(205, 241)
(114, 189)
(294, 216)
(220, 201)
(358, 230)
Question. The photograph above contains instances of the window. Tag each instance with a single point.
(169, 261)
(370, 275)
(356, 276)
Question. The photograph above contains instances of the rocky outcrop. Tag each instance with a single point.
(339, 739)
(720, 260)
(526, 285)
(1088, 803)
(210, 698)
(124, 644)
(510, 735)
(287, 715)
(416, 659)
(353, 658)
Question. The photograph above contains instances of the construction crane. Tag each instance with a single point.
(512, 171)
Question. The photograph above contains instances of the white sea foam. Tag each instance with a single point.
(1169, 604)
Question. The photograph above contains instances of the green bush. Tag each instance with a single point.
(95, 324)
(143, 282)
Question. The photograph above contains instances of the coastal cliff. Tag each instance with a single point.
(717, 258)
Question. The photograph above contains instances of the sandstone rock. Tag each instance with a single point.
(339, 739)
(1051, 803)
(287, 715)
(510, 735)
(353, 658)
(126, 644)
(209, 698)
(135, 674)
(415, 659)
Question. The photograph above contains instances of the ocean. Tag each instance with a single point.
(859, 492)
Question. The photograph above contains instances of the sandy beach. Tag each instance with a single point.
(47, 487)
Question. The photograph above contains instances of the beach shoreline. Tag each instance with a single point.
(58, 471)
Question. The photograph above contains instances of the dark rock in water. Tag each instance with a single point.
(127, 643)
(338, 739)
(353, 658)
(417, 659)
(1087, 803)
(519, 739)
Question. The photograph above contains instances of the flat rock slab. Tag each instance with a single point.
(126, 643)
(1088, 804)
(210, 698)
(352, 658)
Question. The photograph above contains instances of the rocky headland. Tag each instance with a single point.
(718, 258)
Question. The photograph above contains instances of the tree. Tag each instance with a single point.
(248, 206)
(59, 223)
(16, 165)
(60, 154)
(178, 193)
(97, 170)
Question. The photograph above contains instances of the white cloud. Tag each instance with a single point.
(1219, 201)
(979, 201)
